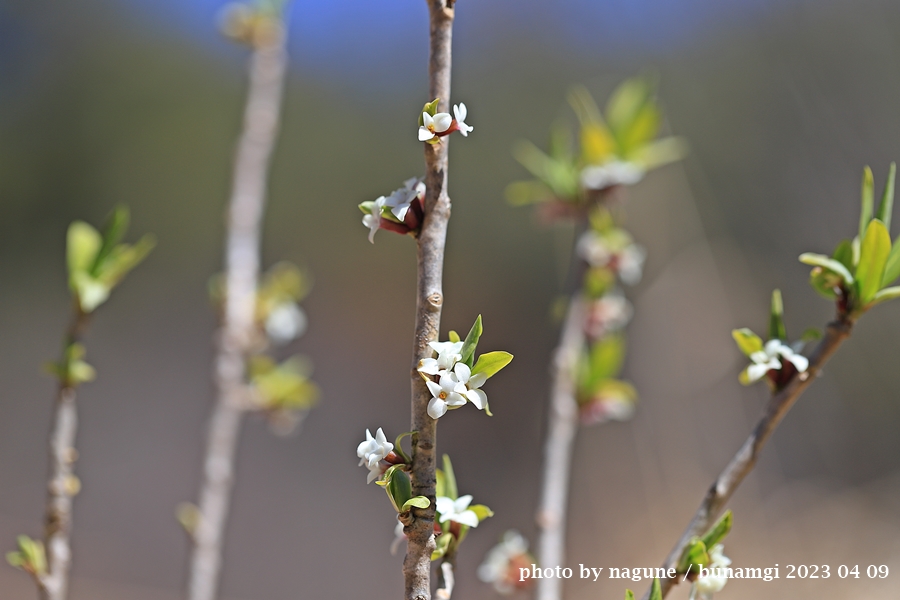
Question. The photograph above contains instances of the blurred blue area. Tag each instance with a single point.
(356, 38)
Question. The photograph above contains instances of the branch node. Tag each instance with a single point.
(436, 300)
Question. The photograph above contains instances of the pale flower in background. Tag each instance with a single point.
(617, 172)
(286, 322)
(715, 579)
(501, 564)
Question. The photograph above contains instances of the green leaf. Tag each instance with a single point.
(887, 199)
(777, 330)
(629, 595)
(415, 501)
(440, 484)
(656, 590)
(873, 255)
(747, 341)
(399, 448)
(441, 545)
(82, 244)
(886, 294)
(694, 554)
(810, 335)
(113, 232)
(820, 260)
(892, 266)
(468, 349)
(625, 103)
(522, 193)
(490, 363)
(123, 258)
(718, 531)
(430, 108)
(844, 255)
(367, 206)
(89, 292)
(481, 511)
(398, 487)
(450, 488)
(454, 337)
(659, 152)
(868, 201)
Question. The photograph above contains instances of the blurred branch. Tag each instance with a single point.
(562, 427)
(745, 459)
(251, 166)
(419, 528)
(62, 484)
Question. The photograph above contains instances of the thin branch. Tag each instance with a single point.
(62, 485)
(419, 526)
(745, 459)
(235, 338)
(563, 425)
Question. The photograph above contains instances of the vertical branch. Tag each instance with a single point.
(235, 338)
(745, 459)
(62, 484)
(563, 425)
(419, 528)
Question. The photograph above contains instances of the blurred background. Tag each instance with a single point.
(139, 102)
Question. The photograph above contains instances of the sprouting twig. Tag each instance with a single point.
(745, 459)
(251, 166)
(62, 485)
(419, 528)
(562, 427)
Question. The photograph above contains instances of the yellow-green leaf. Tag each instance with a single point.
(873, 255)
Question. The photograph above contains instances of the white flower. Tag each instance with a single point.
(400, 199)
(472, 383)
(631, 263)
(500, 562)
(372, 451)
(715, 579)
(431, 126)
(613, 250)
(285, 322)
(608, 313)
(456, 510)
(460, 112)
(767, 360)
(373, 220)
(448, 355)
(446, 393)
(617, 172)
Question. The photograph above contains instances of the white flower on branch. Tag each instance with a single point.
(456, 510)
(770, 358)
(472, 383)
(607, 314)
(373, 220)
(434, 126)
(400, 199)
(447, 393)
(460, 113)
(715, 578)
(615, 251)
(372, 451)
(448, 356)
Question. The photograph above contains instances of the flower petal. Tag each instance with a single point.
(442, 122)
(436, 408)
(467, 517)
(478, 398)
(425, 134)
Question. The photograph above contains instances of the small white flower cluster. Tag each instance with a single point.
(715, 579)
(616, 172)
(285, 323)
(435, 127)
(607, 314)
(614, 250)
(610, 405)
(398, 205)
(372, 453)
(501, 564)
(455, 385)
(770, 357)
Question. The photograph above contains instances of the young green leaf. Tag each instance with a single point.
(868, 201)
(656, 591)
(82, 244)
(777, 330)
(820, 260)
(417, 501)
(694, 554)
(892, 266)
(453, 336)
(490, 363)
(718, 531)
(747, 341)
(468, 349)
(398, 488)
(873, 255)
(887, 199)
(844, 255)
(886, 294)
(450, 489)
(113, 232)
(629, 595)
(481, 511)
(441, 545)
